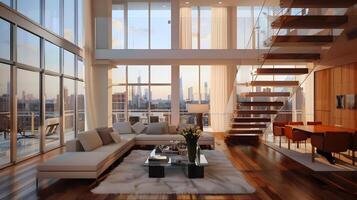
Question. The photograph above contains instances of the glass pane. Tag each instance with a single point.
(160, 98)
(138, 25)
(28, 48)
(69, 20)
(80, 72)
(7, 2)
(81, 106)
(28, 113)
(138, 74)
(5, 113)
(52, 15)
(119, 75)
(205, 28)
(188, 85)
(69, 108)
(205, 75)
(118, 32)
(68, 63)
(118, 103)
(245, 22)
(80, 23)
(52, 57)
(5, 40)
(52, 112)
(138, 102)
(160, 25)
(30, 8)
(194, 28)
(160, 74)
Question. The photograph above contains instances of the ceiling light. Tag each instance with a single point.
(187, 2)
(219, 2)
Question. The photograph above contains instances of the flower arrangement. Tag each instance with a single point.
(191, 134)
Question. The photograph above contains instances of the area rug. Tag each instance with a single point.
(131, 177)
(304, 158)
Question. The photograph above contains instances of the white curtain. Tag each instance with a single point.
(91, 120)
(186, 28)
(219, 73)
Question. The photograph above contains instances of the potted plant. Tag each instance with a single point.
(191, 134)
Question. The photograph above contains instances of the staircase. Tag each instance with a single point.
(256, 109)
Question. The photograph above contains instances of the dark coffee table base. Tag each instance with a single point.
(194, 171)
(156, 172)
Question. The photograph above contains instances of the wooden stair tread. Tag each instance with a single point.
(245, 131)
(282, 71)
(261, 103)
(256, 112)
(265, 94)
(309, 21)
(251, 119)
(235, 125)
(299, 40)
(274, 83)
(292, 56)
(317, 3)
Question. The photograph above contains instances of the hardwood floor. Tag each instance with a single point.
(273, 175)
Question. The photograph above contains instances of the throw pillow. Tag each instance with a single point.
(90, 140)
(116, 137)
(123, 127)
(104, 134)
(158, 128)
(138, 127)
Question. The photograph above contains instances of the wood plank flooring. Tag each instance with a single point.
(273, 175)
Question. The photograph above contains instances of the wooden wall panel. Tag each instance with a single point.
(341, 80)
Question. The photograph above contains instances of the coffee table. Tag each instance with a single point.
(192, 170)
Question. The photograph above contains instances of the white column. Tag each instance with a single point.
(175, 95)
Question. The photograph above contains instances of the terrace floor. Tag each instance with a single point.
(273, 175)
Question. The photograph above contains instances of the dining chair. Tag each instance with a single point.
(314, 123)
(330, 142)
(279, 130)
(295, 135)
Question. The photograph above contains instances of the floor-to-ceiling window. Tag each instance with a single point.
(42, 79)
(194, 88)
(141, 93)
(4, 113)
(141, 25)
(7, 2)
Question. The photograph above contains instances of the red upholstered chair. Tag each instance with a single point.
(314, 123)
(295, 135)
(331, 142)
(353, 146)
(279, 130)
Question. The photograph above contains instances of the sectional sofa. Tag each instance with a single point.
(94, 151)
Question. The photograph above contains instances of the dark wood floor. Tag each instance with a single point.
(272, 174)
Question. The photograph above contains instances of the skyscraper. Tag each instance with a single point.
(190, 94)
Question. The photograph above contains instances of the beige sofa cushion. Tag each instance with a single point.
(90, 140)
(116, 137)
(158, 128)
(138, 127)
(104, 134)
(75, 161)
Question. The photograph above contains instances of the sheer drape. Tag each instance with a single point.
(219, 73)
(186, 28)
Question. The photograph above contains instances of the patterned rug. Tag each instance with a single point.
(131, 177)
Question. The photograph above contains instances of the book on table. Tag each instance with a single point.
(158, 159)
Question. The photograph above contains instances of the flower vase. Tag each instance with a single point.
(191, 150)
